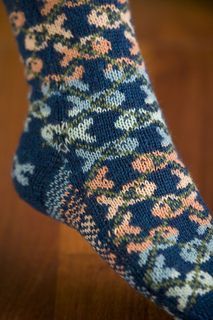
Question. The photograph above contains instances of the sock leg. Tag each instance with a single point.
(96, 153)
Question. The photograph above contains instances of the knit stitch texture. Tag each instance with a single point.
(96, 153)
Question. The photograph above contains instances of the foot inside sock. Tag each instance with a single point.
(96, 153)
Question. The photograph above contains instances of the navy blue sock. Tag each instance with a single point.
(96, 153)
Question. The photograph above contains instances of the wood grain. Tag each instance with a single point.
(47, 271)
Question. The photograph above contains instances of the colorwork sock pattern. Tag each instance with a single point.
(96, 153)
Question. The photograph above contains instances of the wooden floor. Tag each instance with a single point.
(46, 270)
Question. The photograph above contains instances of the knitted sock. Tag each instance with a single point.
(96, 154)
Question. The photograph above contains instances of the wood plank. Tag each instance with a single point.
(28, 240)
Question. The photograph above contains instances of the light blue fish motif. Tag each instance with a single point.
(114, 75)
(78, 84)
(39, 109)
(110, 150)
(160, 272)
(62, 135)
(89, 158)
(204, 284)
(116, 98)
(79, 105)
(22, 171)
(166, 139)
(197, 249)
(150, 96)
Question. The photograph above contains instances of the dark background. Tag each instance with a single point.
(48, 271)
